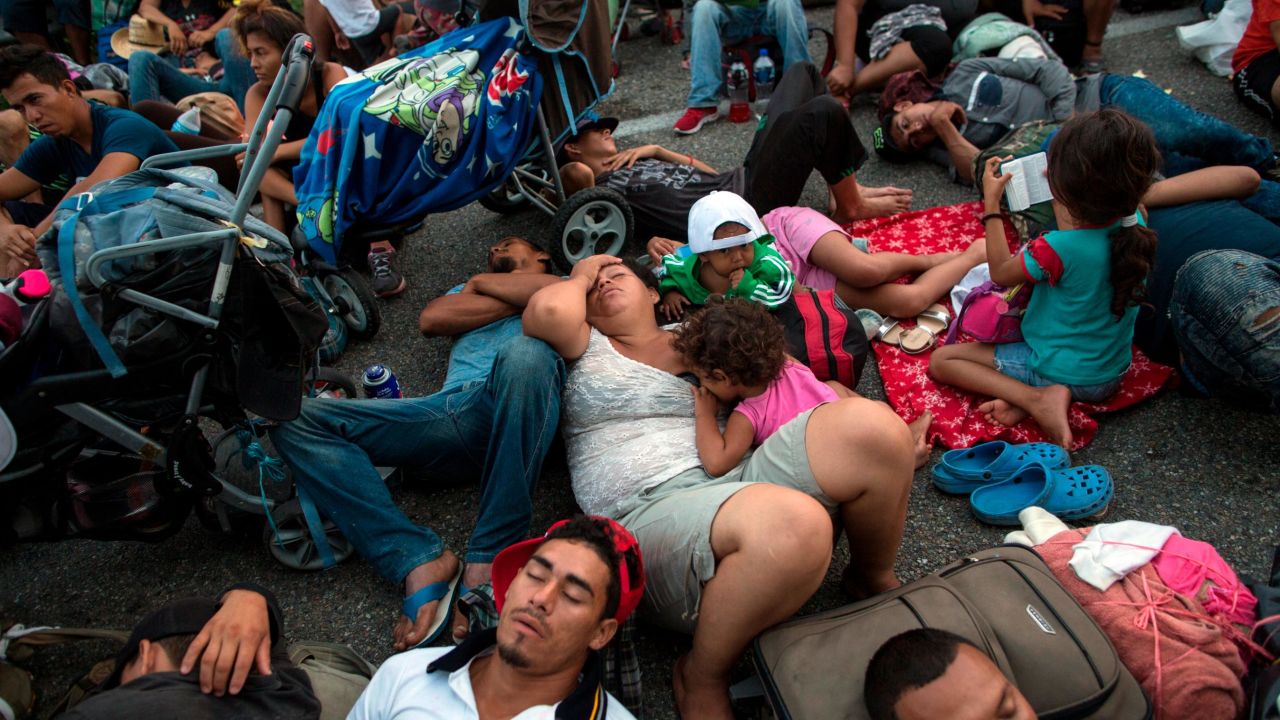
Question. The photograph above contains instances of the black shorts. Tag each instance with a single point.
(1254, 82)
(931, 45)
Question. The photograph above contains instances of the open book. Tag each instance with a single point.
(1029, 185)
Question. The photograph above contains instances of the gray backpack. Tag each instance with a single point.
(1005, 600)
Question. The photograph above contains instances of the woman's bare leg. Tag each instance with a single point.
(897, 300)
(772, 548)
(833, 252)
(863, 457)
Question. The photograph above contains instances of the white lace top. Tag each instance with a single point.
(627, 427)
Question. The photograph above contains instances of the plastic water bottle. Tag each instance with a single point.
(380, 383)
(765, 73)
(188, 122)
(739, 98)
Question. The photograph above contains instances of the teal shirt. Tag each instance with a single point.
(1074, 338)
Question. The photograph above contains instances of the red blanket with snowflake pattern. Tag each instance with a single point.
(956, 420)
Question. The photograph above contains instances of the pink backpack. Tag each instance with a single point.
(992, 313)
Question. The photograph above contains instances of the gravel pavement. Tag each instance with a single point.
(1210, 469)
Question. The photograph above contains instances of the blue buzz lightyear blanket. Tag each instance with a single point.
(428, 131)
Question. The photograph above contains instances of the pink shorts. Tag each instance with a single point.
(795, 231)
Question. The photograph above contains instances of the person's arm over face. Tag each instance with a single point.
(557, 314)
(485, 298)
(238, 638)
(511, 288)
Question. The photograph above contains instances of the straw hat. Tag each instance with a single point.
(142, 34)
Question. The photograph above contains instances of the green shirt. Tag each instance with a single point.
(768, 280)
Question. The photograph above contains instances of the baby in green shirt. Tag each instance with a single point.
(729, 253)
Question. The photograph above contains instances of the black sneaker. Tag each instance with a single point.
(387, 281)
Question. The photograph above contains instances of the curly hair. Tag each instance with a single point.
(276, 23)
(1100, 166)
(736, 337)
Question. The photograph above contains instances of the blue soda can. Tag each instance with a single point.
(380, 383)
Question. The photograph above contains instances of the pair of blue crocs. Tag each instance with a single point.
(1002, 480)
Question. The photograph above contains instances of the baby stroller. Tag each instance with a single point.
(476, 114)
(173, 313)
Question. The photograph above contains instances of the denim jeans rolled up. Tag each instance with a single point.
(1188, 139)
(711, 21)
(158, 77)
(1225, 313)
(497, 431)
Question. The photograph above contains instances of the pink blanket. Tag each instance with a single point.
(956, 420)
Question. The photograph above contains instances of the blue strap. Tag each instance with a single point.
(316, 526)
(67, 266)
(564, 89)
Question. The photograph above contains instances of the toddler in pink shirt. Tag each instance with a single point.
(738, 352)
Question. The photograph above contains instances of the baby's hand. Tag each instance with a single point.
(673, 304)
(704, 402)
(735, 277)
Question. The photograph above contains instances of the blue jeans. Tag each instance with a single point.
(1014, 360)
(1188, 139)
(781, 19)
(157, 77)
(497, 431)
(1226, 321)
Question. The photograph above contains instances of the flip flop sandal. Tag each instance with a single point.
(446, 593)
(929, 325)
(964, 470)
(1000, 503)
(1092, 66)
(1080, 492)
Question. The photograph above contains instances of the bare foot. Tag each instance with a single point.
(887, 190)
(859, 588)
(473, 575)
(920, 437)
(699, 697)
(871, 207)
(1050, 410)
(1005, 413)
(411, 631)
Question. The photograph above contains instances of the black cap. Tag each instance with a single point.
(885, 147)
(585, 123)
(187, 616)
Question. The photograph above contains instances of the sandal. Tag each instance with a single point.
(964, 470)
(890, 332)
(445, 593)
(1092, 66)
(929, 325)
(1070, 494)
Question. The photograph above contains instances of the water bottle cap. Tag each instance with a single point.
(764, 52)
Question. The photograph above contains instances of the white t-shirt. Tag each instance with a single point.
(354, 18)
(402, 689)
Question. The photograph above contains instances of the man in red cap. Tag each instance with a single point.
(560, 598)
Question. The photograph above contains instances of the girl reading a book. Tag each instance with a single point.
(1089, 278)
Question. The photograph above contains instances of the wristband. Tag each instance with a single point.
(992, 216)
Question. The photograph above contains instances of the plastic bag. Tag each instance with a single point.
(1214, 41)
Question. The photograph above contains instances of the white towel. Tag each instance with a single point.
(1113, 550)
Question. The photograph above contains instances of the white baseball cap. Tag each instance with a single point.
(716, 209)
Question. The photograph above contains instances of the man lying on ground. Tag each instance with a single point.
(561, 599)
(805, 130)
(199, 657)
(492, 421)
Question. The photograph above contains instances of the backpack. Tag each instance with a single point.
(992, 313)
(1005, 600)
(825, 335)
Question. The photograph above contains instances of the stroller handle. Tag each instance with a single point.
(298, 56)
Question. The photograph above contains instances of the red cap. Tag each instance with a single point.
(509, 562)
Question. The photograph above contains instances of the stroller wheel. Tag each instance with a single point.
(292, 545)
(591, 222)
(356, 303)
(330, 383)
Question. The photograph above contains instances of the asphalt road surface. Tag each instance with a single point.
(1209, 469)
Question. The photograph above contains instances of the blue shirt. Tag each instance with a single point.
(473, 352)
(114, 130)
(1074, 338)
